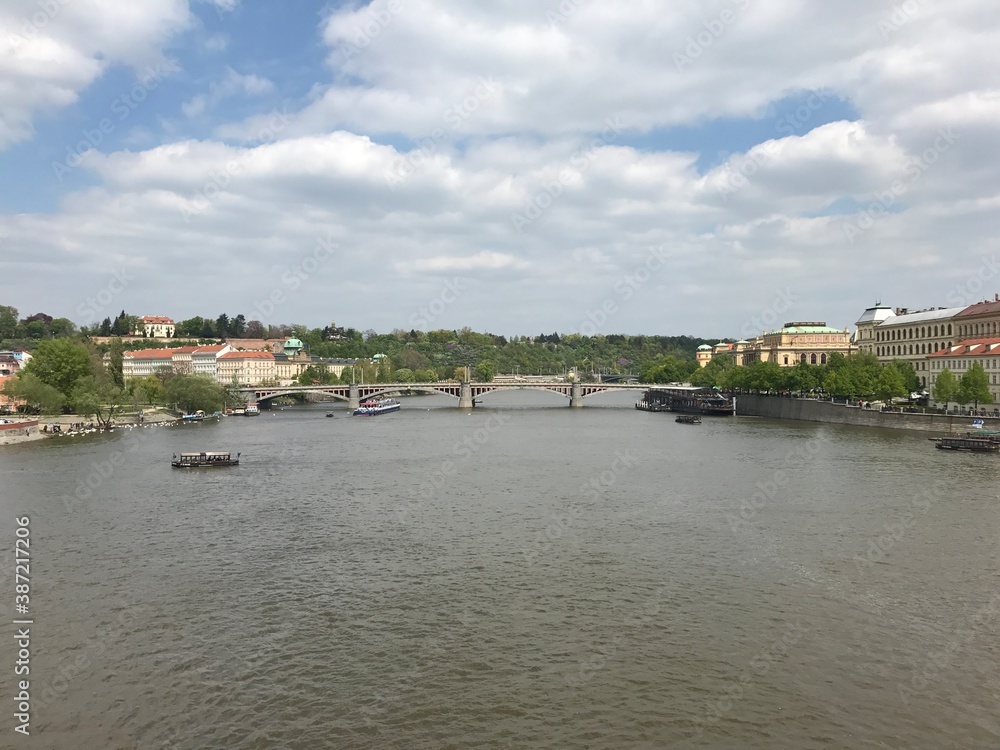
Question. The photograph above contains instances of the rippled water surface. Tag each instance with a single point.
(521, 576)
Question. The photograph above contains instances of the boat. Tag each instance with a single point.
(686, 399)
(329, 414)
(975, 444)
(204, 460)
(198, 416)
(688, 419)
(251, 410)
(374, 407)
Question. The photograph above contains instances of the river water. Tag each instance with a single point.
(524, 575)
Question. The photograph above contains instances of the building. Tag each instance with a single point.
(959, 357)
(912, 336)
(145, 362)
(864, 335)
(246, 368)
(204, 359)
(979, 320)
(799, 341)
(703, 355)
(8, 404)
(12, 362)
(157, 326)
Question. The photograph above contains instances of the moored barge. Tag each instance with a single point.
(687, 399)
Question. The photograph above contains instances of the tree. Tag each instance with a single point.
(38, 395)
(484, 370)
(945, 387)
(238, 326)
(255, 330)
(193, 392)
(974, 386)
(8, 321)
(115, 364)
(222, 326)
(404, 375)
(60, 363)
(61, 327)
(106, 327)
(98, 396)
(890, 384)
(120, 326)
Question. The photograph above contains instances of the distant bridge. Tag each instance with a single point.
(466, 393)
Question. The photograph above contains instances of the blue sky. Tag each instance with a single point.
(358, 161)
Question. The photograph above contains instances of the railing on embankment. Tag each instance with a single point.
(811, 410)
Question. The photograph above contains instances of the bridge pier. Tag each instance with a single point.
(465, 396)
(576, 395)
(354, 399)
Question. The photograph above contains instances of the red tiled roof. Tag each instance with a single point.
(247, 355)
(980, 308)
(212, 349)
(184, 349)
(157, 319)
(149, 354)
(970, 348)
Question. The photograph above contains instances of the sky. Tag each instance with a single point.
(709, 168)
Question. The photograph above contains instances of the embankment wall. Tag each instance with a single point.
(808, 410)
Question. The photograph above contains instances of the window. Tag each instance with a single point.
(812, 359)
(786, 359)
(822, 359)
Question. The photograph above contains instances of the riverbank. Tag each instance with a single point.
(811, 410)
(28, 430)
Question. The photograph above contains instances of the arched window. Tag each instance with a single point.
(911, 348)
(803, 358)
(822, 359)
(786, 359)
(812, 359)
(949, 330)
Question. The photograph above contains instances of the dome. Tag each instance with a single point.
(704, 347)
(294, 343)
(742, 341)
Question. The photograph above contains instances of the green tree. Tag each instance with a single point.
(36, 394)
(484, 371)
(98, 396)
(8, 322)
(974, 386)
(890, 384)
(60, 363)
(404, 375)
(193, 392)
(945, 387)
(116, 354)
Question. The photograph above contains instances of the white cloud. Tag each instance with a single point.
(51, 52)
(774, 215)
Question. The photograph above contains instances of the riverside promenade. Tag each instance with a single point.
(812, 410)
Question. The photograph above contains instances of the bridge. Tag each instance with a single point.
(466, 393)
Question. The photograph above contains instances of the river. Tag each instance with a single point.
(523, 575)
